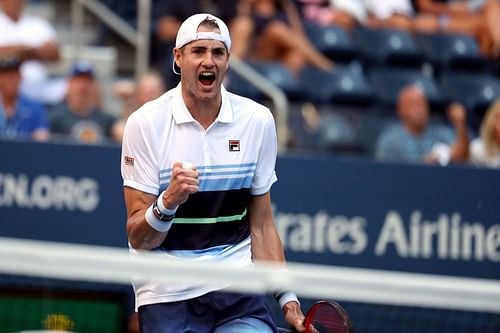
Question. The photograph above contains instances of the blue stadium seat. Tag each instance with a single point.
(452, 51)
(388, 47)
(387, 83)
(347, 85)
(333, 41)
(238, 85)
(280, 76)
(273, 71)
(475, 91)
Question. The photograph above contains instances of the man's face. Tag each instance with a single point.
(12, 8)
(203, 66)
(81, 92)
(9, 83)
(414, 109)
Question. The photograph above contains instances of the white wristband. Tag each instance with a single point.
(287, 297)
(156, 223)
(164, 210)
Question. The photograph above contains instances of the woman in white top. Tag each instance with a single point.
(485, 150)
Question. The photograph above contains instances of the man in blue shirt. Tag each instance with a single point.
(20, 117)
(416, 140)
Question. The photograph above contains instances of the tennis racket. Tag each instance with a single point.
(326, 317)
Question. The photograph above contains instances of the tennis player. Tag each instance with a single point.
(197, 166)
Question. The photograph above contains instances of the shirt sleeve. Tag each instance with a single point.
(265, 174)
(139, 161)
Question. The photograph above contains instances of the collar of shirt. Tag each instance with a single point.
(181, 113)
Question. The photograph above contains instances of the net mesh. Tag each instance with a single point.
(76, 288)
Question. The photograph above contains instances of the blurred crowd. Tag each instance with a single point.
(35, 106)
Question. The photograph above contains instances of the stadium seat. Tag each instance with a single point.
(273, 71)
(451, 51)
(475, 91)
(280, 76)
(387, 83)
(387, 47)
(333, 41)
(347, 85)
(238, 85)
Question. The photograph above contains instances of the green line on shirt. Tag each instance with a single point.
(209, 220)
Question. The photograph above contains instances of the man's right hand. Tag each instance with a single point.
(183, 182)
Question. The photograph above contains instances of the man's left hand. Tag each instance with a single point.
(294, 316)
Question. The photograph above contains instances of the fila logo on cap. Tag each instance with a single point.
(234, 145)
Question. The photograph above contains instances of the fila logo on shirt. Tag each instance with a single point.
(234, 145)
(128, 160)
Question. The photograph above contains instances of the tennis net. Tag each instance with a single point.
(80, 288)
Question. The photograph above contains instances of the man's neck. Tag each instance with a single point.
(415, 130)
(204, 111)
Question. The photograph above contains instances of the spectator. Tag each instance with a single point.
(272, 30)
(478, 18)
(148, 87)
(172, 13)
(415, 140)
(79, 116)
(20, 117)
(396, 14)
(33, 40)
(344, 13)
(485, 150)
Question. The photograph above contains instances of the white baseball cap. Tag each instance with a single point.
(188, 32)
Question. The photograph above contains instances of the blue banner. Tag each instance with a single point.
(65, 193)
(346, 212)
(409, 218)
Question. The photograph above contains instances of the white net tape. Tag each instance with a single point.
(115, 265)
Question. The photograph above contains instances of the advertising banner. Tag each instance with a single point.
(345, 212)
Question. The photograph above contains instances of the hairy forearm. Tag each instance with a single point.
(141, 235)
(266, 245)
(47, 52)
(433, 7)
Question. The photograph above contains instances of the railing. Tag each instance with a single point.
(276, 95)
(140, 40)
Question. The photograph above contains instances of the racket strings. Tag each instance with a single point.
(327, 319)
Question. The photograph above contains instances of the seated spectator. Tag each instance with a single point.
(148, 87)
(478, 18)
(79, 117)
(33, 40)
(20, 117)
(485, 149)
(272, 30)
(395, 14)
(344, 13)
(415, 140)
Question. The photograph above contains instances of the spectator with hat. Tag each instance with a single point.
(20, 117)
(79, 116)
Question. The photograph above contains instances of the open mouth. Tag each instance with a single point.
(206, 78)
